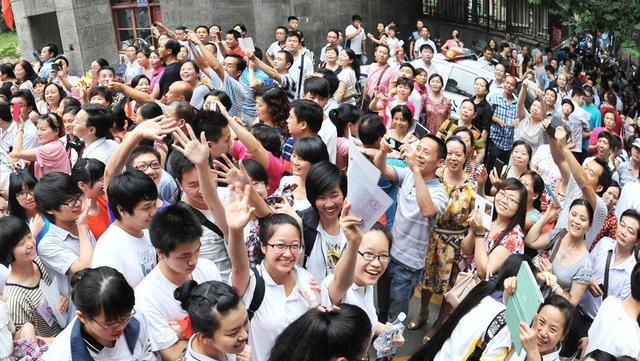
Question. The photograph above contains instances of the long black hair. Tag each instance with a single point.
(17, 182)
(510, 268)
(323, 335)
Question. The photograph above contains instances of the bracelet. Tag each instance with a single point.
(481, 235)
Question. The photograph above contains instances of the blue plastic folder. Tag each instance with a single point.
(524, 304)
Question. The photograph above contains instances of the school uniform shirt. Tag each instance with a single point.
(619, 275)
(554, 356)
(74, 344)
(327, 250)
(276, 311)
(101, 149)
(154, 299)
(614, 331)
(329, 135)
(213, 247)
(134, 263)
(356, 295)
(472, 328)
(191, 355)
(58, 249)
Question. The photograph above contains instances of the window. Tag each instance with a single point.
(132, 20)
(461, 82)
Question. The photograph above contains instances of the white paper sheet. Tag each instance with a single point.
(52, 294)
(486, 211)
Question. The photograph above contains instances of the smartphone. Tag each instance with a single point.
(383, 89)
(556, 121)
(15, 112)
(55, 67)
(421, 131)
(395, 144)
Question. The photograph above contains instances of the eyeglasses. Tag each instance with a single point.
(73, 200)
(117, 323)
(144, 166)
(24, 194)
(503, 194)
(295, 249)
(370, 257)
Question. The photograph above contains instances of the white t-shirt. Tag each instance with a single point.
(274, 48)
(299, 205)
(276, 311)
(101, 149)
(357, 296)
(6, 329)
(420, 64)
(471, 328)
(326, 252)
(60, 349)
(614, 331)
(132, 256)
(192, 355)
(154, 299)
(348, 77)
(329, 135)
(214, 248)
(356, 41)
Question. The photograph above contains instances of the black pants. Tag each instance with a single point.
(493, 153)
(384, 297)
(579, 329)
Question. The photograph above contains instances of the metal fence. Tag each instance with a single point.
(517, 17)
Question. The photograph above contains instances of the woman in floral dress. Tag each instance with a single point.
(437, 108)
(443, 255)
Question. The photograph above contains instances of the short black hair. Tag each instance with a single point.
(295, 34)
(53, 190)
(12, 231)
(635, 282)
(7, 69)
(578, 91)
(269, 137)
(212, 124)
(179, 165)
(632, 213)
(100, 118)
(128, 189)
(317, 86)
(442, 146)
(292, 17)
(356, 17)
(150, 111)
(288, 57)
(408, 65)
(196, 28)
(504, 45)
(102, 290)
(255, 171)
(333, 80)
(184, 110)
(5, 112)
(322, 178)
(108, 68)
(183, 28)
(222, 96)
(140, 150)
(605, 177)
(370, 129)
(309, 112)
(27, 96)
(427, 47)
(53, 48)
(236, 34)
(406, 82)
(102, 91)
(136, 79)
(172, 45)
(241, 63)
(311, 149)
(87, 171)
(173, 226)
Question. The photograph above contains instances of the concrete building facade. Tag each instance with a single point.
(87, 29)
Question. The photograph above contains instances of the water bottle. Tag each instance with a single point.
(384, 343)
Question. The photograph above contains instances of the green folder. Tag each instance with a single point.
(524, 304)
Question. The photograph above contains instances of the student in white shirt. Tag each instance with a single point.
(478, 325)
(175, 233)
(107, 327)
(283, 282)
(364, 261)
(317, 89)
(327, 333)
(219, 321)
(615, 329)
(92, 124)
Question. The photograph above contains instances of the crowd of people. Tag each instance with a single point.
(192, 204)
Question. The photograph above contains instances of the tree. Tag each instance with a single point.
(619, 18)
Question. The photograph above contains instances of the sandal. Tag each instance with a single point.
(417, 322)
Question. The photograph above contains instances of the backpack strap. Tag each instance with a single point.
(300, 78)
(605, 291)
(494, 327)
(258, 294)
(556, 244)
(205, 221)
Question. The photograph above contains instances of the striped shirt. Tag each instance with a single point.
(411, 231)
(23, 303)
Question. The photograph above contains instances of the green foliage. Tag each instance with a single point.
(9, 47)
(617, 17)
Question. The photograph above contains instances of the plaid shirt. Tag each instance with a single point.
(506, 111)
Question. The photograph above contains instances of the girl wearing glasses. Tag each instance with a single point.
(287, 287)
(219, 320)
(362, 264)
(22, 204)
(106, 326)
(50, 155)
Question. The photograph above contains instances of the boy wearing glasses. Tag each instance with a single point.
(175, 234)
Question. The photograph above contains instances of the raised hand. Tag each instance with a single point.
(245, 355)
(196, 151)
(529, 337)
(84, 215)
(230, 174)
(349, 225)
(157, 128)
(238, 212)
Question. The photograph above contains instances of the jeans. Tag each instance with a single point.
(403, 280)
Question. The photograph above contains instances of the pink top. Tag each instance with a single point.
(274, 171)
(154, 77)
(452, 43)
(387, 111)
(374, 72)
(342, 152)
(51, 157)
(435, 113)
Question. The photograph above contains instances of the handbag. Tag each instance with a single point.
(364, 106)
(351, 92)
(465, 282)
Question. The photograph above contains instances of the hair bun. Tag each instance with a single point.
(183, 293)
(333, 115)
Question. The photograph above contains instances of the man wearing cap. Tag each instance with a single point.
(630, 170)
